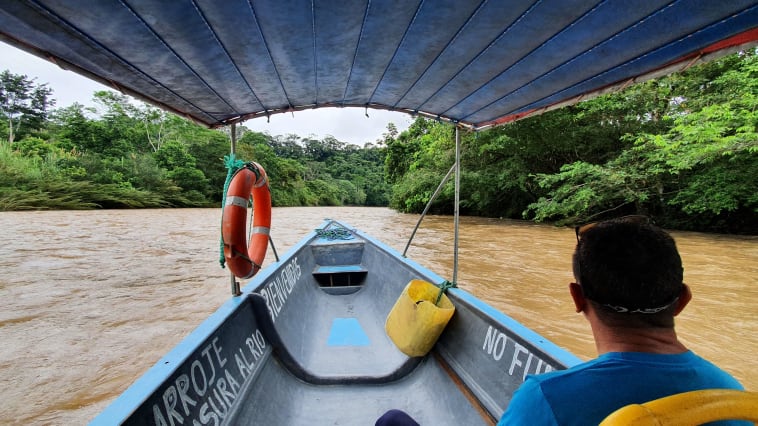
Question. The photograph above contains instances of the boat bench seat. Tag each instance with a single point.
(340, 279)
(337, 269)
(310, 375)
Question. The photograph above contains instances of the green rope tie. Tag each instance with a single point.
(443, 288)
(232, 166)
(334, 234)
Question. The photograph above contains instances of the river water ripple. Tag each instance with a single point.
(92, 299)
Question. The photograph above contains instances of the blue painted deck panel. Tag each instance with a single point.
(347, 332)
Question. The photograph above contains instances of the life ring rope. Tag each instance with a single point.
(232, 165)
(243, 256)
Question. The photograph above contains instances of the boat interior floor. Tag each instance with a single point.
(341, 340)
(428, 394)
(330, 335)
(332, 361)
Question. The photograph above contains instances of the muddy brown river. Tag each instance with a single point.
(91, 299)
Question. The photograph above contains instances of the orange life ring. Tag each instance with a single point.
(245, 261)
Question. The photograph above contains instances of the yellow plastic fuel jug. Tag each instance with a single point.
(415, 322)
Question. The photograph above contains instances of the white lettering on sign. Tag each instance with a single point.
(278, 290)
(520, 358)
(211, 383)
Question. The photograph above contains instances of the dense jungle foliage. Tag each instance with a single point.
(124, 154)
(681, 149)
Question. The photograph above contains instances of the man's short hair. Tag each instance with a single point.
(629, 269)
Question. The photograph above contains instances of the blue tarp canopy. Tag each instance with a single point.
(476, 63)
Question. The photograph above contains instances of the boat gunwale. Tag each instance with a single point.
(151, 381)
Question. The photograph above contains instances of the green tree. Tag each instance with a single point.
(36, 148)
(155, 122)
(209, 148)
(23, 104)
(181, 166)
(402, 150)
(697, 172)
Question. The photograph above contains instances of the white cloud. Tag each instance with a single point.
(345, 124)
(68, 87)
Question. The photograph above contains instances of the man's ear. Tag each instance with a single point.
(577, 295)
(684, 298)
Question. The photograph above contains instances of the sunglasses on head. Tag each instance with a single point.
(635, 218)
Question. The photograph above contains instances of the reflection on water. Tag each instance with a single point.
(92, 299)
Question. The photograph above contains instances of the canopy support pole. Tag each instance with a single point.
(457, 201)
(234, 283)
(456, 212)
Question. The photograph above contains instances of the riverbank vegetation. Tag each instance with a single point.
(681, 149)
(123, 154)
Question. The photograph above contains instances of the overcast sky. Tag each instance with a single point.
(346, 124)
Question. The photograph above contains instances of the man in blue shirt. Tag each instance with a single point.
(629, 287)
